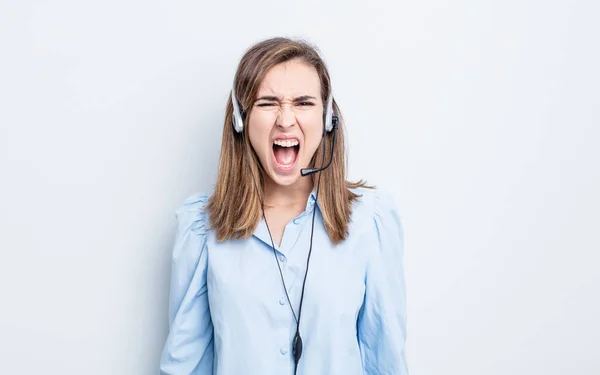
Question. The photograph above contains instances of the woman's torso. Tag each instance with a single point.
(252, 320)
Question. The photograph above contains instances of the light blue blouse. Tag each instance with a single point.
(228, 312)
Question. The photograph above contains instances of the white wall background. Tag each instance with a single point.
(482, 117)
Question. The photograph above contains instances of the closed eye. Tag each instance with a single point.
(266, 104)
(306, 104)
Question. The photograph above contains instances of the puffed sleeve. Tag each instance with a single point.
(382, 318)
(189, 345)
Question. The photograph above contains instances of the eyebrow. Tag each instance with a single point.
(272, 98)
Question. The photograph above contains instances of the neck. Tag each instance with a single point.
(286, 196)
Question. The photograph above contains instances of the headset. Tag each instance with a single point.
(330, 123)
(330, 120)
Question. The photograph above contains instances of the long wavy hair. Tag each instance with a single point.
(234, 208)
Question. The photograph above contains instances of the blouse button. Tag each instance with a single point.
(283, 351)
(297, 221)
(282, 302)
(282, 259)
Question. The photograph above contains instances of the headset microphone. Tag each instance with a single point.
(309, 171)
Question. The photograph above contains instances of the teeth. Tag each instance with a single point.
(286, 142)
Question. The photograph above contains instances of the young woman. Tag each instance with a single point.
(286, 267)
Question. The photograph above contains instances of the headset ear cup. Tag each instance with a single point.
(237, 119)
(329, 114)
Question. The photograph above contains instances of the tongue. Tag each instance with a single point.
(285, 155)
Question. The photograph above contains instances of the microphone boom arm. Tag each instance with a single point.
(309, 171)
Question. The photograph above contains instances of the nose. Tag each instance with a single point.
(286, 117)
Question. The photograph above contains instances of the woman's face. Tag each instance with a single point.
(286, 121)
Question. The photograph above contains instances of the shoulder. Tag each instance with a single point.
(192, 218)
(377, 228)
(373, 209)
(372, 202)
(193, 210)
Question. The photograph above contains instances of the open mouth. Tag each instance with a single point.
(286, 153)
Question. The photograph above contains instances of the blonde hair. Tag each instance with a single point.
(234, 207)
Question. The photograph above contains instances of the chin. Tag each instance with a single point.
(287, 179)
